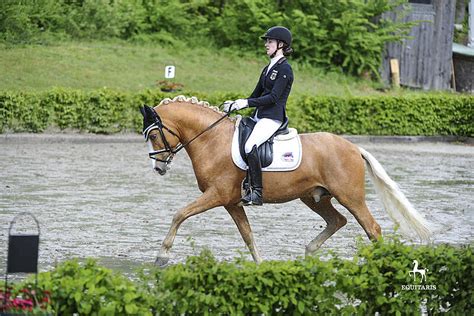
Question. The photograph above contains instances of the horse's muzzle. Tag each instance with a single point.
(160, 171)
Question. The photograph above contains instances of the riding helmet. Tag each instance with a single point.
(279, 33)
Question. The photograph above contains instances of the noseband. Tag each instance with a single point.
(158, 124)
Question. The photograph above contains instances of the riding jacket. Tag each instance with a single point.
(272, 90)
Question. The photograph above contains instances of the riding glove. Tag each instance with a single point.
(240, 104)
(236, 105)
(228, 105)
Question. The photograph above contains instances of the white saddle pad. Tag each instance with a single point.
(286, 152)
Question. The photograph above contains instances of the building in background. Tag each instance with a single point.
(425, 59)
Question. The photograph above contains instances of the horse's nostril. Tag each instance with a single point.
(161, 172)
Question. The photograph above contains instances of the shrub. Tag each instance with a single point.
(337, 35)
(89, 289)
(413, 115)
(376, 276)
(372, 282)
(110, 111)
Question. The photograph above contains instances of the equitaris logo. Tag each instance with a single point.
(419, 279)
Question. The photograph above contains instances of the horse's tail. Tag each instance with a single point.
(395, 203)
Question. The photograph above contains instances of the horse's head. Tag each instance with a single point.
(163, 143)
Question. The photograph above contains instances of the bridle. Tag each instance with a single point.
(158, 124)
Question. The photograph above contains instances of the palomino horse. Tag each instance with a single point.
(330, 167)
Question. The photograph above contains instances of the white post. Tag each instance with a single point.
(470, 41)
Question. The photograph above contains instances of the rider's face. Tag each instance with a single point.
(271, 46)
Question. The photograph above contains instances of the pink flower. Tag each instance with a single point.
(20, 302)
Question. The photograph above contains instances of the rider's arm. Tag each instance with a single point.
(259, 88)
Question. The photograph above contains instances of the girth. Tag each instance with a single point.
(265, 151)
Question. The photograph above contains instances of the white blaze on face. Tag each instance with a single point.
(150, 150)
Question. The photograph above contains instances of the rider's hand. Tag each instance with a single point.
(240, 104)
(228, 106)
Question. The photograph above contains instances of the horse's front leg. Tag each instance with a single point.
(206, 201)
(240, 218)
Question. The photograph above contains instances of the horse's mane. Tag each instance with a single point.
(193, 100)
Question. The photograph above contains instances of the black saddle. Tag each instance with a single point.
(265, 151)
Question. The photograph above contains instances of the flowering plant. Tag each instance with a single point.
(170, 86)
(25, 302)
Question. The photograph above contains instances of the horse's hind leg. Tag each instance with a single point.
(356, 205)
(240, 218)
(333, 218)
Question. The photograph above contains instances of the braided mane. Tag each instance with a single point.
(193, 100)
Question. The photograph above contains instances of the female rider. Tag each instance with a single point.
(269, 100)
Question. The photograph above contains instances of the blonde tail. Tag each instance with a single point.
(395, 203)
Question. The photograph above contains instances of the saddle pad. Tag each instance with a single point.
(286, 152)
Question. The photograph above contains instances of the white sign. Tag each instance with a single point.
(169, 72)
(418, 287)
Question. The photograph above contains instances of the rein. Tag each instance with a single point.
(158, 124)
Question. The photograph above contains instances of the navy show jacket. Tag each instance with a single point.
(272, 90)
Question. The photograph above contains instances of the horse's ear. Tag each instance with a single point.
(149, 111)
(148, 116)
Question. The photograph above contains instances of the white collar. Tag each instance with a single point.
(273, 61)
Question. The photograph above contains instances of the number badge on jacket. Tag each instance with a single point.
(273, 75)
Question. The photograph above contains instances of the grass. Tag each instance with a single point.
(132, 67)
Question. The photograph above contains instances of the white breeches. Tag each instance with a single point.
(262, 131)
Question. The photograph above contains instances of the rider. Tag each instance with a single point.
(269, 100)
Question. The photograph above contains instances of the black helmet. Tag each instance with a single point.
(279, 33)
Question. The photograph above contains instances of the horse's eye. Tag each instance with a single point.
(153, 137)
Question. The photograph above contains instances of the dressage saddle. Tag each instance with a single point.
(265, 151)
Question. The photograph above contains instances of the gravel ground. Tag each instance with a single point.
(96, 196)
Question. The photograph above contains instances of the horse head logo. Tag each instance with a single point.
(415, 270)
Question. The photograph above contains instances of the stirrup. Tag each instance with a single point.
(254, 197)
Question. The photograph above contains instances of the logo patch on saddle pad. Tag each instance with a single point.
(288, 157)
(287, 152)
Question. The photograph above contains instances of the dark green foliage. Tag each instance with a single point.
(374, 281)
(412, 115)
(88, 289)
(110, 111)
(344, 35)
(101, 111)
(378, 273)
(204, 286)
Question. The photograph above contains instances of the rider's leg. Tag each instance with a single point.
(254, 195)
(263, 130)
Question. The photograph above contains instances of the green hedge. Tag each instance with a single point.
(109, 111)
(412, 115)
(376, 280)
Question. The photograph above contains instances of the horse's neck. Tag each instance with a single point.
(416, 265)
(190, 120)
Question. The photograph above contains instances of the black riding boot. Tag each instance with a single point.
(254, 196)
(245, 184)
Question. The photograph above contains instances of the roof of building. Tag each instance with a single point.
(463, 50)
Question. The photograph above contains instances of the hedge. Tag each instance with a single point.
(377, 279)
(110, 111)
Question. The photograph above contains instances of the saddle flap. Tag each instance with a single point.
(290, 134)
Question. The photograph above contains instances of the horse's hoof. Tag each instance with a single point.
(162, 262)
